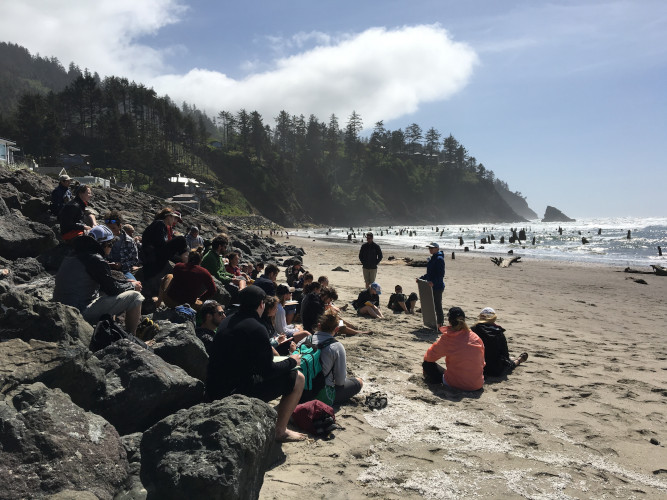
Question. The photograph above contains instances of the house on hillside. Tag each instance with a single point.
(188, 199)
(7, 149)
(75, 160)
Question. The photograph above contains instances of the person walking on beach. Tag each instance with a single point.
(435, 276)
(370, 256)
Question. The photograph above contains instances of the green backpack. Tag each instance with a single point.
(311, 367)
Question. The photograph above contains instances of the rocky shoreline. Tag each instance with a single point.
(124, 422)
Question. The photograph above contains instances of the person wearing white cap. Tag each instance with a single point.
(496, 354)
(83, 275)
(368, 301)
(435, 276)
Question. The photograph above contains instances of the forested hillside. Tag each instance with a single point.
(292, 169)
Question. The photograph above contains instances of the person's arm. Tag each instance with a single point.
(378, 255)
(361, 253)
(265, 364)
(436, 351)
(340, 364)
(99, 270)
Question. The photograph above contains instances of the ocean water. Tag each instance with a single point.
(611, 246)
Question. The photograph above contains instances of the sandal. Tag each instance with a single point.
(376, 400)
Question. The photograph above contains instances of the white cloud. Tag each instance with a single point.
(99, 35)
(381, 74)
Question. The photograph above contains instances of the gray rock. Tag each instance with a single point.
(141, 388)
(69, 367)
(26, 317)
(20, 237)
(134, 489)
(179, 345)
(552, 214)
(212, 450)
(49, 445)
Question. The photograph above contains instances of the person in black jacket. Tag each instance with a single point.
(241, 362)
(71, 215)
(158, 247)
(496, 354)
(83, 275)
(370, 256)
(61, 194)
(368, 301)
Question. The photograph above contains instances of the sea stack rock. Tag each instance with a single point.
(552, 214)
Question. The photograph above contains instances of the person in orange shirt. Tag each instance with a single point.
(463, 351)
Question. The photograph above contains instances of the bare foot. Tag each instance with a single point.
(291, 437)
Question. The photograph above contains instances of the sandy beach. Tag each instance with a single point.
(584, 417)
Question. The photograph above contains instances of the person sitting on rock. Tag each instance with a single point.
(463, 351)
(241, 362)
(398, 302)
(212, 313)
(258, 267)
(124, 254)
(83, 275)
(158, 247)
(214, 263)
(240, 279)
(267, 281)
(188, 283)
(368, 301)
(338, 387)
(61, 194)
(496, 354)
(72, 214)
(193, 239)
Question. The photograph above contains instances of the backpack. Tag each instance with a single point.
(107, 332)
(311, 367)
(315, 417)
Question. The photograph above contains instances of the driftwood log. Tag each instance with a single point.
(499, 261)
(659, 270)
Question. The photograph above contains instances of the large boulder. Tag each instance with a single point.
(213, 450)
(69, 367)
(25, 317)
(179, 345)
(21, 237)
(49, 445)
(552, 214)
(141, 388)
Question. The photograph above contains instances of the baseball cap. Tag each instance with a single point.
(65, 177)
(433, 244)
(376, 287)
(456, 312)
(487, 311)
(101, 233)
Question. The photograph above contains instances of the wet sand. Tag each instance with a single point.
(580, 419)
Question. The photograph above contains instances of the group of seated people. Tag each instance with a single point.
(471, 354)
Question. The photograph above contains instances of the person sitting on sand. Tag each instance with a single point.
(329, 295)
(311, 306)
(496, 354)
(463, 351)
(284, 293)
(338, 387)
(242, 362)
(399, 303)
(368, 301)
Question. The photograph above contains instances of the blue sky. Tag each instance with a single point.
(564, 100)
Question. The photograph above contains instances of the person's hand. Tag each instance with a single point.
(282, 338)
(430, 283)
(297, 358)
(137, 286)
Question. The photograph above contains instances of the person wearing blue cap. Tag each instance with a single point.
(83, 275)
(368, 301)
(435, 276)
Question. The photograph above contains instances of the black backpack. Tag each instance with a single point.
(107, 332)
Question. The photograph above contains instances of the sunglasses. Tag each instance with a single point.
(112, 221)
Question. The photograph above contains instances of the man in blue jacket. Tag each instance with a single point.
(435, 275)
